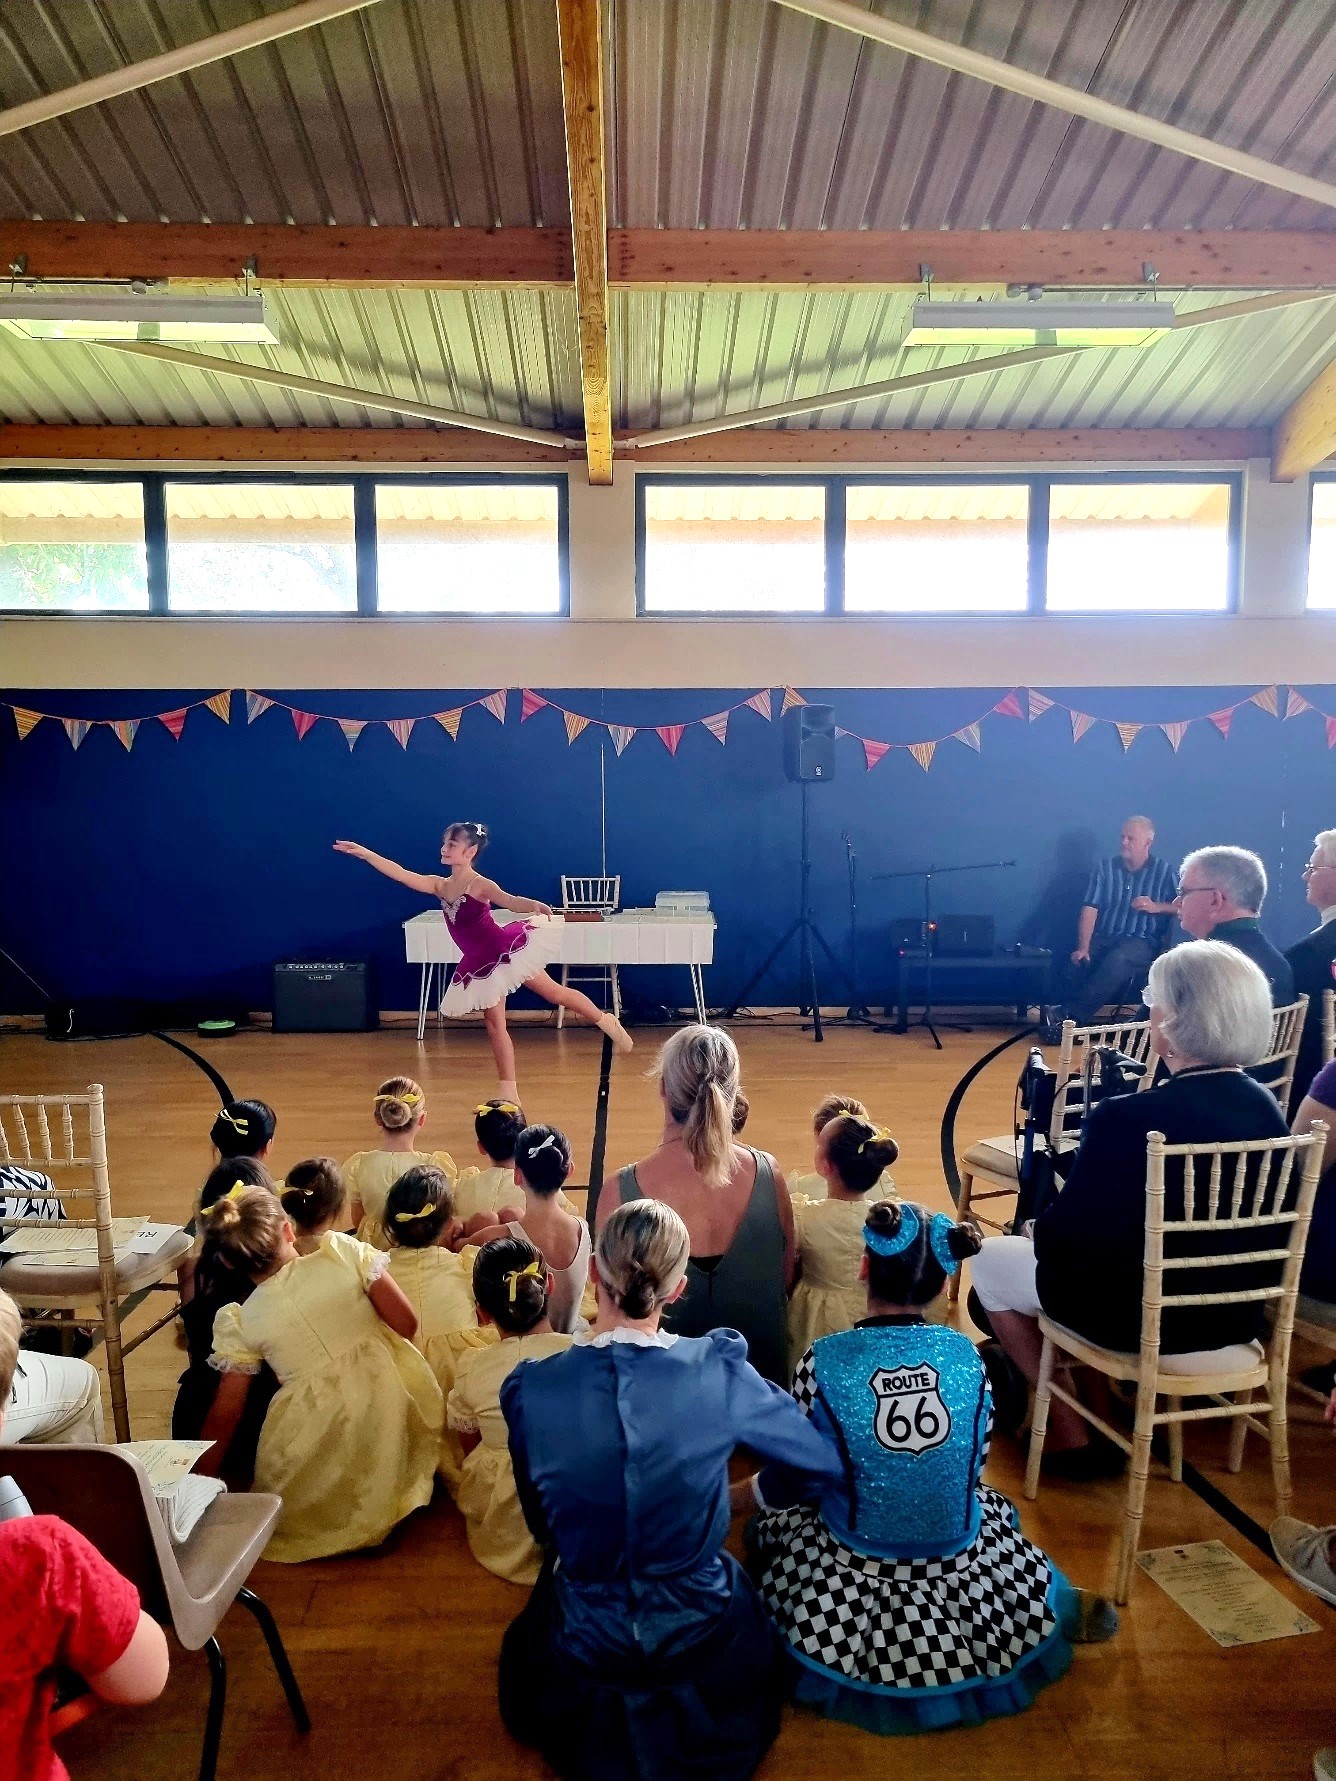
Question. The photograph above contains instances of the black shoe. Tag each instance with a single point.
(1083, 1465)
(1051, 1017)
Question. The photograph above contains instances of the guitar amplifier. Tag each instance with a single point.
(965, 936)
(324, 996)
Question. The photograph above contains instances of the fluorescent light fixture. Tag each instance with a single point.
(125, 316)
(1035, 322)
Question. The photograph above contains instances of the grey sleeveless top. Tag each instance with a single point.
(742, 1289)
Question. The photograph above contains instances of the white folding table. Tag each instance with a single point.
(626, 938)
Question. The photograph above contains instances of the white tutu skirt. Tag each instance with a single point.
(524, 949)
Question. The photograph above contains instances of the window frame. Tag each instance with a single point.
(1040, 484)
(363, 484)
(1310, 611)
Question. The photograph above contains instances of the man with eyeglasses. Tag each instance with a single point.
(1313, 959)
(1220, 896)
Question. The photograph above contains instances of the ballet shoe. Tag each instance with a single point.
(609, 1024)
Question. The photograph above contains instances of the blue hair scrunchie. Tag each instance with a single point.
(939, 1238)
(939, 1241)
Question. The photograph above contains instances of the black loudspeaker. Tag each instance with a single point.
(965, 936)
(809, 742)
(326, 996)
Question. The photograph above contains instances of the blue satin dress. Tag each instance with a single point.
(909, 1599)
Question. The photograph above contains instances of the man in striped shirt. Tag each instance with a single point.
(1123, 924)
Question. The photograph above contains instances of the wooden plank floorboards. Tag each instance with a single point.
(396, 1649)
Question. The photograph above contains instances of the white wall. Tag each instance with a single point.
(603, 643)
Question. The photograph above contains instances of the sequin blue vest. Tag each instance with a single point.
(910, 1405)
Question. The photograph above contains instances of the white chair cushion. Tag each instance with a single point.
(1239, 1357)
(993, 1156)
(33, 1282)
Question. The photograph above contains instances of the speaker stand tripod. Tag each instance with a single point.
(805, 929)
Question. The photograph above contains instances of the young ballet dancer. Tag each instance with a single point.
(542, 1164)
(496, 1125)
(909, 1598)
(351, 1439)
(853, 1157)
(511, 1284)
(813, 1183)
(313, 1196)
(399, 1109)
(244, 1128)
(494, 960)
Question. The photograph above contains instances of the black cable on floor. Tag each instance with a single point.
(599, 1150)
(948, 1143)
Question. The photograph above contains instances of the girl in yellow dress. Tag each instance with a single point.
(351, 1439)
(481, 1193)
(400, 1111)
(313, 1196)
(420, 1224)
(812, 1184)
(511, 1285)
(852, 1157)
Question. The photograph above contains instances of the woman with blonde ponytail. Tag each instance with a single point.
(732, 1200)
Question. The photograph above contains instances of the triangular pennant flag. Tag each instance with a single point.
(1331, 732)
(1268, 699)
(923, 753)
(1295, 702)
(352, 728)
(302, 721)
(1081, 722)
(574, 724)
(256, 704)
(529, 703)
(1127, 734)
(26, 721)
(496, 704)
(1010, 706)
(621, 734)
(670, 735)
(873, 751)
(792, 697)
(221, 706)
(718, 725)
(1039, 703)
(76, 729)
(175, 721)
(1221, 720)
(401, 728)
(449, 722)
(763, 703)
(969, 736)
(1175, 733)
(125, 731)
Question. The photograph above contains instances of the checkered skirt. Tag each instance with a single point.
(907, 1625)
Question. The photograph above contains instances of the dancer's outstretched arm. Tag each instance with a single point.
(428, 883)
(488, 887)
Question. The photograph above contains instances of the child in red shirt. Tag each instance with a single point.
(65, 1606)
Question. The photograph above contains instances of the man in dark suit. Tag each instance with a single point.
(1220, 896)
(1313, 960)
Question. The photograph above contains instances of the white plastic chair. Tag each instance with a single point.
(592, 896)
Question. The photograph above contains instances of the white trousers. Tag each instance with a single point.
(55, 1398)
(1002, 1274)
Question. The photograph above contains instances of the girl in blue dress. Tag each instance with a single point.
(909, 1599)
(644, 1650)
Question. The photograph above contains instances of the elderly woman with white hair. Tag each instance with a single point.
(1210, 1017)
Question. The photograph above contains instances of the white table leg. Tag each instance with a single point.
(698, 989)
(424, 985)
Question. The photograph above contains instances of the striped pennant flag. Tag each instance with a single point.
(256, 706)
(873, 751)
(1221, 720)
(1039, 703)
(670, 735)
(174, 722)
(792, 697)
(923, 753)
(970, 736)
(125, 729)
(1331, 732)
(761, 702)
(1295, 702)
(529, 703)
(303, 722)
(1175, 733)
(352, 728)
(76, 728)
(574, 725)
(718, 725)
(1127, 734)
(621, 734)
(449, 722)
(1081, 722)
(26, 721)
(1268, 699)
(496, 704)
(401, 728)
(1010, 706)
(221, 706)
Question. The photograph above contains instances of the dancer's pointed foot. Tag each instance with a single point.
(609, 1024)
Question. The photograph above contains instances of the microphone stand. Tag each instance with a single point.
(859, 1012)
(929, 929)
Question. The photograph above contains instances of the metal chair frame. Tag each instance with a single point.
(594, 896)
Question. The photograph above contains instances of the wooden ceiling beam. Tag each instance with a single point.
(580, 32)
(1305, 435)
(812, 447)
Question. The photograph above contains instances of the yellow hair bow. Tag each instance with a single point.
(408, 1217)
(237, 1125)
(408, 1100)
(874, 1137)
(513, 1278)
(495, 1107)
(233, 1193)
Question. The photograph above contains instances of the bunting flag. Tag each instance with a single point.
(125, 731)
(26, 721)
(1010, 706)
(873, 751)
(496, 704)
(970, 736)
(1175, 733)
(1221, 721)
(256, 706)
(76, 728)
(1081, 722)
(449, 722)
(1127, 734)
(529, 703)
(718, 724)
(1295, 702)
(761, 702)
(574, 725)
(174, 721)
(621, 734)
(303, 721)
(1039, 703)
(792, 697)
(670, 735)
(1267, 699)
(923, 753)
(401, 728)
(221, 706)
(1331, 732)
(352, 728)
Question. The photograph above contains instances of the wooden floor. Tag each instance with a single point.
(396, 1651)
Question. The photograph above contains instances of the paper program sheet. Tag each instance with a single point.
(166, 1462)
(1224, 1595)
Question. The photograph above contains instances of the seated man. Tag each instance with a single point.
(1220, 896)
(1122, 924)
(47, 1397)
(1313, 959)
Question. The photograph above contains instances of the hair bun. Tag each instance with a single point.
(964, 1240)
(883, 1216)
(639, 1294)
